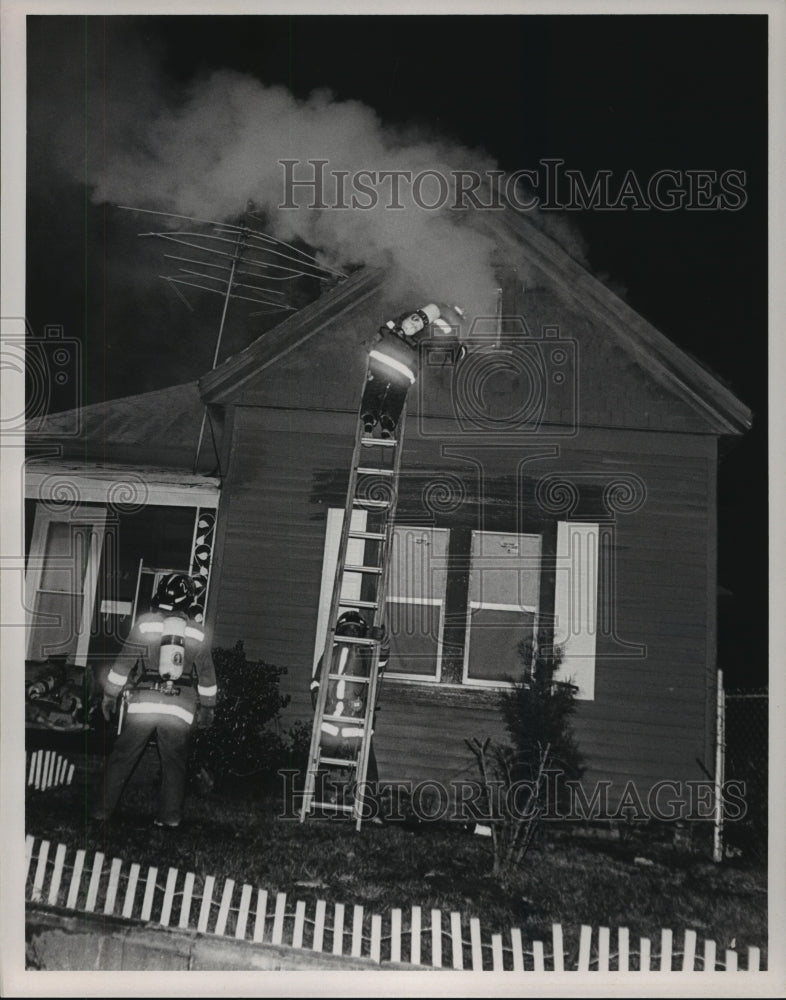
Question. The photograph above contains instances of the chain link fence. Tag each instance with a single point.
(746, 752)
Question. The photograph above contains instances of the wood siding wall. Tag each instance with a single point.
(648, 720)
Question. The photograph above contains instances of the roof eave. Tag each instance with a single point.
(218, 385)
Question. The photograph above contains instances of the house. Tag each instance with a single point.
(563, 476)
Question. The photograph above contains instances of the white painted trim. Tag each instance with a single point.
(484, 606)
(445, 686)
(474, 682)
(211, 566)
(333, 526)
(89, 590)
(576, 604)
(103, 484)
(415, 600)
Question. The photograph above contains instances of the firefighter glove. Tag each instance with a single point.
(108, 705)
(206, 718)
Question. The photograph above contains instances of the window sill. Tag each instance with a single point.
(435, 693)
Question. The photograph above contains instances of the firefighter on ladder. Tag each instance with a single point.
(164, 700)
(347, 698)
(392, 362)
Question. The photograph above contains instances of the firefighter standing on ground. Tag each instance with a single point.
(165, 700)
(393, 362)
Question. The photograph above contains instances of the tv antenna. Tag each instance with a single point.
(236, 262)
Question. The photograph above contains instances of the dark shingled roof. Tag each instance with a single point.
(165, 423)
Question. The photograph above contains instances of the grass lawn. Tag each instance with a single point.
(564, 878)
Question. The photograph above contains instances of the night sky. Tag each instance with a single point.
(618, 93)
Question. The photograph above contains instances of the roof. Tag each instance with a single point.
(295, 331)
(165, 422)
(175, 411)
(513, 232)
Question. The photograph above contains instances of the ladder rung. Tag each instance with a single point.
(380, 504)
(339, 807)
(349, 603)
(365, 471)
(345, 720)
(382, 442)
(338, 762)
(355, 640)
(354, 679)
(354, 568)
(378, 536)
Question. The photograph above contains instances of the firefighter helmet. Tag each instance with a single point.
(351, 620)
(175, 593)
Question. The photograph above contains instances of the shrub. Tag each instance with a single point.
(244, 747)
(537, 712)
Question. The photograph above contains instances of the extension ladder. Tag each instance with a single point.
(373, 488)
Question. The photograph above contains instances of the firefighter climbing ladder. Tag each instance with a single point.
(373, 488)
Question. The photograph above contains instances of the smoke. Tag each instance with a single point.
(220, 146)
(211, 147)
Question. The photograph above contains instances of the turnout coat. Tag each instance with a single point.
(165, 668)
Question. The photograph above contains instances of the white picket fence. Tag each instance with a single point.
(48, 769)
(441, 940)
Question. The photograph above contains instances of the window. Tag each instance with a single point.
(61, 581)
(89, 569)
(415, 596)
(502, 605)
(460, 603)
(416, 601)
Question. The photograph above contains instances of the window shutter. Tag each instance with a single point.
(352, 581)
(576, 604)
